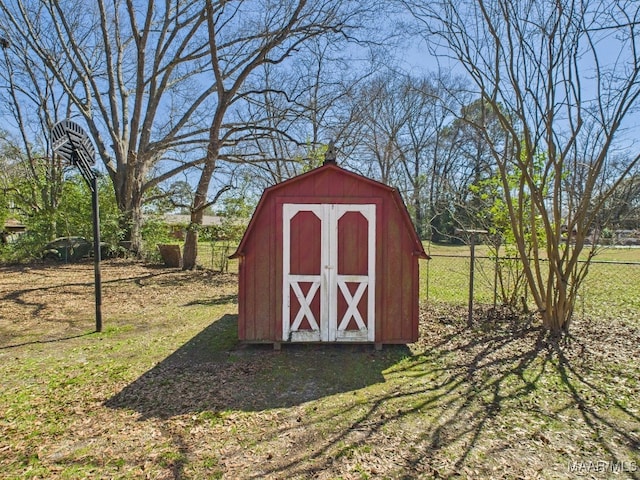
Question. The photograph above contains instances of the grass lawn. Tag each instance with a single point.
(167, 392)
(612, 286)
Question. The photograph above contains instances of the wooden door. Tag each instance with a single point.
(328, 272)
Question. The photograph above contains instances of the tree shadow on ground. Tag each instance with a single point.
(49, 340)
(501, 399)
(35, 299)
(494, 396)
(213, 372)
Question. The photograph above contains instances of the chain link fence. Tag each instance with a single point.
(215, 256)
(611, 288)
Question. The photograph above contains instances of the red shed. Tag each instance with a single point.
(329, 256)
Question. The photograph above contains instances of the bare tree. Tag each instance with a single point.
(30, 175)
(404, 140)
(563, 78)
(432, 172)
(130, 70)
(622, 209)
(380, 111)
(243, 37)
(301, 109)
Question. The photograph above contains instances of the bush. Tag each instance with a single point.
(154, 231)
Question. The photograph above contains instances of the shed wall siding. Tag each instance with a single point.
(258, 268)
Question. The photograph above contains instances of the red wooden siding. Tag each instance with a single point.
(352, 244)
(305, 244)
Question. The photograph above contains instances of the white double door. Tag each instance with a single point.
(329, 272)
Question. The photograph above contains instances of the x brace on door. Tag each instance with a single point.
(305, 301)
(352, 302)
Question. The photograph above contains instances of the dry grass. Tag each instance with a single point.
(166, 392)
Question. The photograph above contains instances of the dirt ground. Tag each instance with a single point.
(49, 301)
(166, 391)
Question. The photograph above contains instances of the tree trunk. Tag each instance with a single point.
(128, 191)
(558, 297)
(557, 318)
(418, 213)
(131, 225)
(190, 250)
(136, 229)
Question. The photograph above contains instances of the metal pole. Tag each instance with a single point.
(96, 252)
(471, 273)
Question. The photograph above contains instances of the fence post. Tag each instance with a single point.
(471, 235)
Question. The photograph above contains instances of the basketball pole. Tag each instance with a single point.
(96, 251)
(71, 142)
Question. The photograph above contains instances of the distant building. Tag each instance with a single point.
(626, 237)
